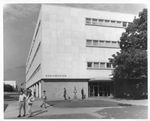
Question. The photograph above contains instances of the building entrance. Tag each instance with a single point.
(100, 89)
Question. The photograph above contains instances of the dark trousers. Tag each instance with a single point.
(65, 96)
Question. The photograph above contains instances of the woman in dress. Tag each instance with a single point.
(30, 100)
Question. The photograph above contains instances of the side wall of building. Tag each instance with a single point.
(55, 88)
(64, 35)
(33, 65)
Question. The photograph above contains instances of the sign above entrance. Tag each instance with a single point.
(55, 75)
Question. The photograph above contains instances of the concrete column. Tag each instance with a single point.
(32, 89)
(40, 91)
(37, 88)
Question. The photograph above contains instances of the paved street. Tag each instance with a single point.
(91, 108)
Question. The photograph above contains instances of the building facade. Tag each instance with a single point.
(71, 48)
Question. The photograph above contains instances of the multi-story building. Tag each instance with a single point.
(71, 48)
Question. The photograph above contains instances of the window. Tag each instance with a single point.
(119, 22)
(94, 21)
(107, 41)
(99, 65)
(88, 20)
(101, 41)
(96, 65)
(100, 21)
(102, 65)
(114, 42)
(95, 42)
(37, 29)
(89, 64)
(108, 65)
(88, 42)
(112, 21)
(107, 20)
(124, 24)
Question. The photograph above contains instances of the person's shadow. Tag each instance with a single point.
(37, 112)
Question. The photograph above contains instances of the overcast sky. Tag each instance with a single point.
(19, 24)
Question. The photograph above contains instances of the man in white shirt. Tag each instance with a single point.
(22, 100)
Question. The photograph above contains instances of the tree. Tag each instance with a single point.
(131, 61)
(8, 88)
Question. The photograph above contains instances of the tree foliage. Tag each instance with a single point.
(131, 61)
(8, 88)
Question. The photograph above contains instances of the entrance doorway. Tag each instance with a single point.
(100, 89)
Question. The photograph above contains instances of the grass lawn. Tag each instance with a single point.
(8, 98)
(5, 106)
(82, 103)
(131, 112)
(66, 116)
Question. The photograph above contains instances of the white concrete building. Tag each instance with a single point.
(71, 48)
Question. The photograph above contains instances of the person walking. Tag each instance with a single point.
(30, 100)
(22, 102)
(44, 97)
(65, 93)
(82, 93)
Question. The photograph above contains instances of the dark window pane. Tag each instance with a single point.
(108, 65)
(89, 64)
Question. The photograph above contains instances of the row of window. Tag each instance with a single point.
(102, 43)
(34, 57)
(36, 70)
(34, 41)
(99, 65)
(94, 21)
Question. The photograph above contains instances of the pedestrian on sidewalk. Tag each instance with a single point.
(44, 97)
(82, 93)
(30, 100)
(65, 93)
(22, 103)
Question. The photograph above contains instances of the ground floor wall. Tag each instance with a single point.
(55, 88)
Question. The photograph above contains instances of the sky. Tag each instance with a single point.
(19, 21)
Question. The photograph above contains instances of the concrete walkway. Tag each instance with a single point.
(12, 110)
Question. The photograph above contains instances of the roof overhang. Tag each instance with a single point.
(101, 79)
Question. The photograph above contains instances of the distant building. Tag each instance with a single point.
(10, 82)
(71, 48)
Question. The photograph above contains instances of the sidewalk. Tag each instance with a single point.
(12, 110)
(89, 112)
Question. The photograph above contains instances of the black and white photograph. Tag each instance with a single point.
(75, 60)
